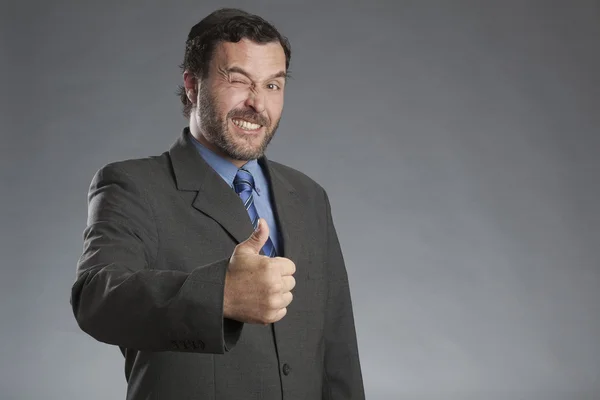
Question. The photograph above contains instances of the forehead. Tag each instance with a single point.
(261, 59)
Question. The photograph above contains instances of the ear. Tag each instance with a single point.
(190, 82)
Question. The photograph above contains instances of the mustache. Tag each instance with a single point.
(250, 116)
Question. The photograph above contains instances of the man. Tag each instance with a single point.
(173, 270)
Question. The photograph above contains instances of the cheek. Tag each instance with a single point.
(276, 107)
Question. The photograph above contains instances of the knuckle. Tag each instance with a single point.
(269, 265)
(265, 263)
(272, 302)
(276, 287)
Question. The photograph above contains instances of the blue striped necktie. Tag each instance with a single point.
(243, 185)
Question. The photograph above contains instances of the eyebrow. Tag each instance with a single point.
(280, 74)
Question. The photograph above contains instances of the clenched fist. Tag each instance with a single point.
(257, 288)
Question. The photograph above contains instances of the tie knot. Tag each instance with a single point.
(243, 181)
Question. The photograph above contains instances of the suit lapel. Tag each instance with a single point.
(290, 215)
(287, 209)
(214, 197)
(218, 201)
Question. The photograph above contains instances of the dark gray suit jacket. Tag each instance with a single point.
(150, 280)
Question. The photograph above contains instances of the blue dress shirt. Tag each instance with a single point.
(262, 200)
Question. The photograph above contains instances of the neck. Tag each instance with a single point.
(199, 136)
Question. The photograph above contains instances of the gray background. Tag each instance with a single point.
(458, 142)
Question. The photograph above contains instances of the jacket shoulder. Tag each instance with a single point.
(135, 169)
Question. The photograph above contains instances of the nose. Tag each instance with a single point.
(256, 101)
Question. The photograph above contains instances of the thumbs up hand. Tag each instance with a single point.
(257, 288)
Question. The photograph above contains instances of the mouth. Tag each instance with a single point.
(246, 126)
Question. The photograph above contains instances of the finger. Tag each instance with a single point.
(288, 283)
(286, 266)
(256, 241)
(281, 313)
(286, 299)
(277, 316)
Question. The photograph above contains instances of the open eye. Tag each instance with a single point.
(273, 86)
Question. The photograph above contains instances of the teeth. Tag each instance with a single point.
(249, 126)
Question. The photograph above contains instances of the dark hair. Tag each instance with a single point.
(224, 25)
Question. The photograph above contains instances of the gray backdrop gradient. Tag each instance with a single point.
(458, 141)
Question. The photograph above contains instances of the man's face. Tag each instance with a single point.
(241, 100)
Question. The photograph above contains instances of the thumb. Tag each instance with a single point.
(256, 241)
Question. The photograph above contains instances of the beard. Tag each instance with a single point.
(216, 130)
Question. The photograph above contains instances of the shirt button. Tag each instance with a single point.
(286, 369)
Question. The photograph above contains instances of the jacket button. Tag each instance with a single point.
(286, 369)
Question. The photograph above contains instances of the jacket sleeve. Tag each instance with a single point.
(120, 298)
(342, 370)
